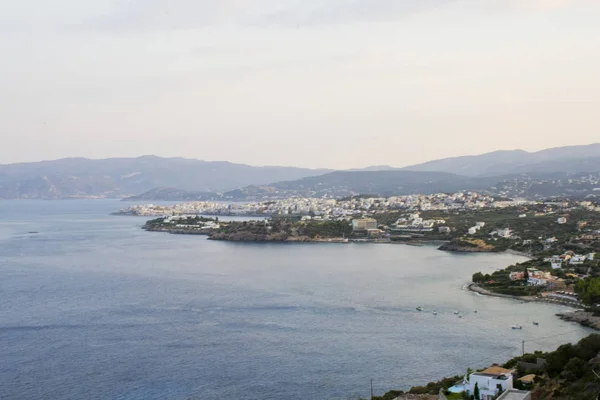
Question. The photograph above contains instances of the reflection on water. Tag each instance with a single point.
(93, 307)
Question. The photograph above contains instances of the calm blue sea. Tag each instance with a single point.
(92, 307)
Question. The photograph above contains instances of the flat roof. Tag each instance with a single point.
(514, 395)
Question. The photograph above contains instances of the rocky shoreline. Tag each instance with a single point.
(473, 287)
(585, 318)
(457, 248)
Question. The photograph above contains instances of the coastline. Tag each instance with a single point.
(473, 287)
(577, 315)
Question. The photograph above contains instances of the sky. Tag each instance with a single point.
(311, 83)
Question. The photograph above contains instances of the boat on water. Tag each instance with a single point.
(475, 311)
(456, 312)
(536, 323)
(516, 327)
(435, 313)
(419, 308)
(460, 316)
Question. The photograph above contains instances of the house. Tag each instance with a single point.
(522, 215)
(480, 224)
(489, 382)
(428, 224)
(577, 260)
(504, 233)
(516, 276)
(561, 221)
(444, 229)
(472, 230)
(515, 395)
(532, 281)
(556, 262)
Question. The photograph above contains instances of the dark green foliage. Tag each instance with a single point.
(325, 229)
(476, 391)
(391, 395)
(435, 387)
(588, 290)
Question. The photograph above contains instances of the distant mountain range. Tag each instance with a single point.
(119, 177)
(385, 183)
(573, 159)
(549, 172)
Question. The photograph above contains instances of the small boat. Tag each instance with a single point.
(536, 323)
(455, 312)
(460, 316)
(435, 313)
(419, 308)
(516, 327)
(475, 311)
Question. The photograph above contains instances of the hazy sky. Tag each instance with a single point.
(318, 83)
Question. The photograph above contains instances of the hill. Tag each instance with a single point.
(385, 183)
(119, 177)
(564, 159)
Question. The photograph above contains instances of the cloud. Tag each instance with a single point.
(538, 6)
(315, 13)
(143, 15)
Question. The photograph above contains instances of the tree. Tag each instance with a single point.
(476, 391)
(478, 277)
(526, 274)
(499, 389)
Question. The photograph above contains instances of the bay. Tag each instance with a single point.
(92, 307)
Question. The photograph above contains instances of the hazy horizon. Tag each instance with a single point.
(278, 165)
(322, 84)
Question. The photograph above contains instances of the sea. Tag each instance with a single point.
(93, 307)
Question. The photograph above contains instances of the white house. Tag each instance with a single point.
(505, 232)
(472, 230)
(556, 262)
(561, 220)
(489, 381)
(577, 260)
(480, 224)
(537, 281)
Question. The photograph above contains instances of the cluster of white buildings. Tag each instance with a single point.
(414, 223)
(332, 208)
(569, 258)
(177, 222)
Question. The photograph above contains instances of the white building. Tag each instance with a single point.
(504, 233)
(489, 381)
(363, 224)
(472, 230)
(556, 262)
(561, 220)
(480, 224)
(537, 281)
(577, 260)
